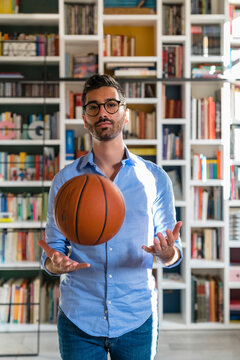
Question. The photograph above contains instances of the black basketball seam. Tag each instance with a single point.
(105, 220)
(79, 200)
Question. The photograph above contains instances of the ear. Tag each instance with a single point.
(84, 121)
(126, 116)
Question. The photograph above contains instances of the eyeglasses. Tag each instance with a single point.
(111, 106)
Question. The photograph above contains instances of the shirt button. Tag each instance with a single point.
(109, 301)
(110, 275)
(110, 249)
(105, 317)
(106, 311)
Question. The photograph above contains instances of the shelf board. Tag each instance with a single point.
(23, 225)
(130, 19)
(174, 162)
(20, 265)
(206, 264)
(15, 142)
(73, 122)
(207, 19)
(138, 142)
(234, 203)
(180, 203)
(207, 142)
(206, 59)
(234, 162)
(209, 182)
(172, 121)
(141, 101)
(30, 183)
(33, 60)
(120, 59)
(27, 327)
(207, 223)
(234, 244)
(73, 39)
(27, 100)
(173, 39)
(172, 321)
(171, 284)
(29, 19)
(234, 285)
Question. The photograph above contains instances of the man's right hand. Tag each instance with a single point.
(58, 263)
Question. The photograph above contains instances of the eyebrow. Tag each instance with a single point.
(96, 102)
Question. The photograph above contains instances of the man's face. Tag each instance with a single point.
(104, 126)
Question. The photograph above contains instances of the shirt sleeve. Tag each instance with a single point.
(54, 238)
(164, 214)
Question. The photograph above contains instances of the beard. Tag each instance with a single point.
(105, 133)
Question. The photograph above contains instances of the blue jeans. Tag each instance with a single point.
(75, 344)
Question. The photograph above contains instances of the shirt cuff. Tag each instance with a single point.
(43, 260)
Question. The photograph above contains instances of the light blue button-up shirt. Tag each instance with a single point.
(116, 293)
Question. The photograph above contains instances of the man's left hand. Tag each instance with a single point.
(164, 248)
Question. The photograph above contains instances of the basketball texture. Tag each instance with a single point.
(89, 209)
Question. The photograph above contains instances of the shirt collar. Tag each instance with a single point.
(88, 158)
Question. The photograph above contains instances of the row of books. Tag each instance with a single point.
(18, 246)
(23, 166)
(234, 15)
(139, 89)
(208, 71)
(141, 125)
(33, 126)
(234, 224)
(173, 19)
(172, 61)
(9, 6)
(234, 182)
(80, 66)
(234, 310)
(73, 105)
(29, 45)
(118, 45)
(207, 203)
(204, 168)
(29, 89)
(207, 298)
(206, 118)
(206, 40)
(80, 19)
(204, 7)
(207, 244)
(26, 206)
(28, 301)
(172, 147)
(235, 142)
(77, 145)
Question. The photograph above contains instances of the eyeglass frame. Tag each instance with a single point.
(119, 102)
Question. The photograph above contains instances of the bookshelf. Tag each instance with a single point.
(158, 94)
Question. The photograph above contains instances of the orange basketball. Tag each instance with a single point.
(89, 209)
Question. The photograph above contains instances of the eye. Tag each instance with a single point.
(111, 104)
(92, 107)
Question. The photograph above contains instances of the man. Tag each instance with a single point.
(108, 302)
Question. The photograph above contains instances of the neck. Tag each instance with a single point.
(108, 155)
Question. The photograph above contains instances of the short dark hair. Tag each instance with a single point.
(97, 81)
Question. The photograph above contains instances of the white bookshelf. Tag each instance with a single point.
(80, 43)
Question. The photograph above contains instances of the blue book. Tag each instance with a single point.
(70, 145)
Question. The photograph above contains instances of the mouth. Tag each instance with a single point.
(103, 124)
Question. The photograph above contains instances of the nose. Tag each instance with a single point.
(102, 110)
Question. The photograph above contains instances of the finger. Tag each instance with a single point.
(176, 230)
(148, 249)
(48, 250)
(160, 242)
(170, 238)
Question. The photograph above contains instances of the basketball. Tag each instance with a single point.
(89, 209)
